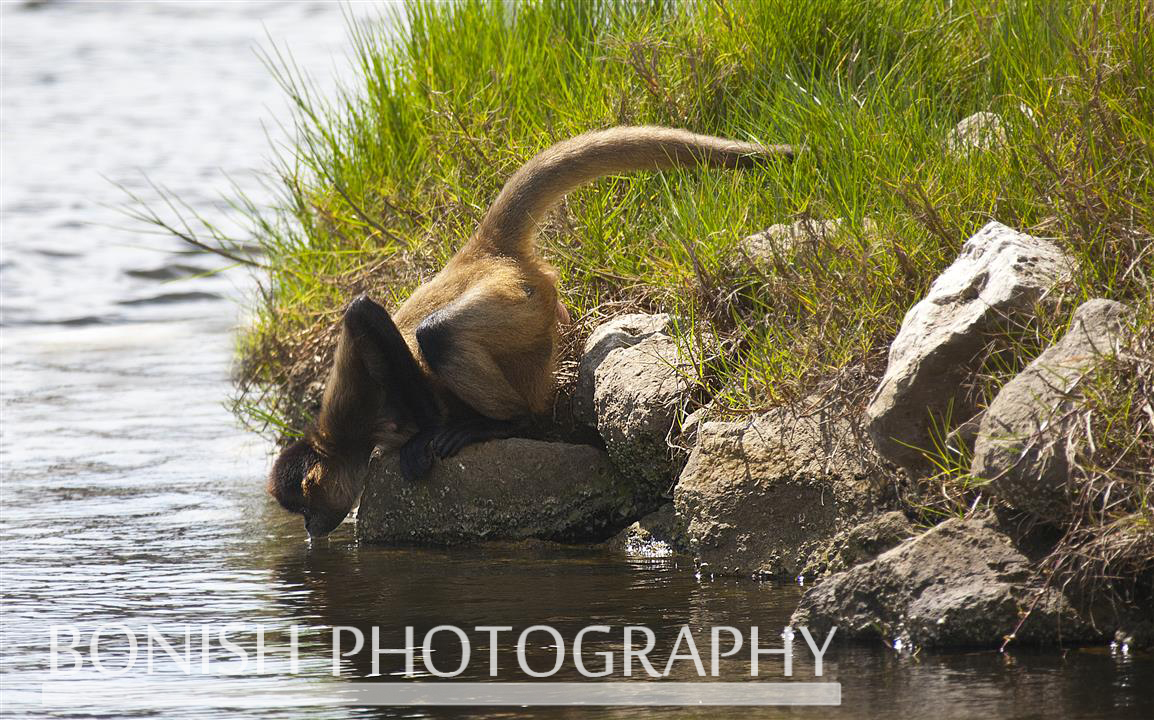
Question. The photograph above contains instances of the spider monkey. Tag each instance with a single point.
(471, 351)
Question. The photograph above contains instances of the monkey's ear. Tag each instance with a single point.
(285, 481)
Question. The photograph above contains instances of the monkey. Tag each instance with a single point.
(471, 352)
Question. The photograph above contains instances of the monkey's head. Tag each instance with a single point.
(312, 483)
(376, 396)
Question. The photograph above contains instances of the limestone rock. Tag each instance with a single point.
(962, 583)
(630, 382)
(999, 276)
(659, 534)
(862, 543)
(1022, 443)
(501, 490)
(980, 131)
(779, 241)
(759, 496)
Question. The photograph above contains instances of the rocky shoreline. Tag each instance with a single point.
(805, 491)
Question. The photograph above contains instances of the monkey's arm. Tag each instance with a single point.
(448, 439)
(389, 362)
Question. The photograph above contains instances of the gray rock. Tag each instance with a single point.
(777, 244)
(862, 543)
(759, 496)
(999, 276)
(659, 534)
(779, 241)
(961, 583)
(630, 383)
(500, 490)
(1022, 446)
(980, 131)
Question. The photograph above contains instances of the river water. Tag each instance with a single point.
(129, 495)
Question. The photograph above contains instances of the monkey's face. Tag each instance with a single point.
(305, 482)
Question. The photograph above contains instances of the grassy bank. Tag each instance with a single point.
(386, 182)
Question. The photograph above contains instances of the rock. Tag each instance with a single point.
(961, 583)
(623, 331)
(501, 490)
(759, 496)
(662, 525)
(630, 383)
(1135, 635)
(659, 534)
(862, 543)
(999, 276)
(980, 131)
(960, 440)
(1022, 445)
(778, 243)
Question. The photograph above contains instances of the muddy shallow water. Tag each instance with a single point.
(129, 495)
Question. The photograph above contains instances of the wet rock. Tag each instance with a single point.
(630, 383)
(999, 276)
(1135, 634)
(962, 583)
(980, 131)
(862, 543)
(1022, 445)
(759, 496)
(658, 534)
(501, 490)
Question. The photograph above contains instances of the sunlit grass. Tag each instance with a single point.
(378, 187)
(382, 184)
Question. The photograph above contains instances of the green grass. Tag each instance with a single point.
(384, 183)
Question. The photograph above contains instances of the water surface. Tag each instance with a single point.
(129, 494)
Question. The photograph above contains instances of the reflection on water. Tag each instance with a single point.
(129, 496)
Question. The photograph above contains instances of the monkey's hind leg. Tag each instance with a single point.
(460, 343)
(447, 440)
(457, 343)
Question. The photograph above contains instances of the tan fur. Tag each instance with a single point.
(512, 221)
(497, 302)
(508, 293)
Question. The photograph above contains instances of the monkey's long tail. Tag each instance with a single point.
(510, 226)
